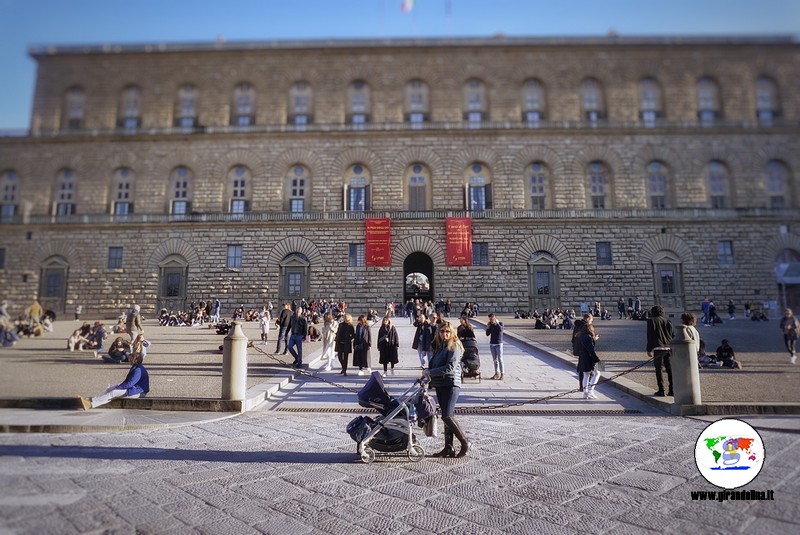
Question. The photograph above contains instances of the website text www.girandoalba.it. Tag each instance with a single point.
(723, 495)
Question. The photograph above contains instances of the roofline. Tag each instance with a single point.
(37, 51)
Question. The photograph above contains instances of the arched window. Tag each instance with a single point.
(709, 108)
(240, 189)
(358, 104)
(243, 107)
(301, 105)
(718, 184)
(9, 191)
(65, 192)
(657, 185)
(778, 180)
(593, 103)
(186, 106)
(130, 113)
(418, 187)
(122, 192)
(767, 100)
(478, 187)
(417, 105)
(599, 185)
(180, 180)
(357, 183)
(74, 104)
(533, 102)
(538, 184)
(476, 102)
(298, 189)
(651, 102)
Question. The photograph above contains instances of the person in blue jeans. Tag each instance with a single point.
(494, 330)
(298, 330)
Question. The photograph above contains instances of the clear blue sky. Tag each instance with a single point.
(27, 22)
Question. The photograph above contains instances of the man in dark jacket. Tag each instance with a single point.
(283, 326)
(659, 337)
(298, 329)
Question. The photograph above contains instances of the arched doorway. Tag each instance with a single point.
(418, 277)
(668, 282)
(53, 284)
(172, 274)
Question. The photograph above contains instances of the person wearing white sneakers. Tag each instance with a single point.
(790, 327)
(328, 340)
(264, 320)
(588, 361)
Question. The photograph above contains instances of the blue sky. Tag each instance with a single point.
(29, 22)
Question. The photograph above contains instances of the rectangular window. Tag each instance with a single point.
(180, 207)
(65, 208)
(234, 257)
(533, 118)
(725, 252)
(295, 284)
(7, 212)
(598, 202)
(114, 257)
(2, 257)
(297, 205)
(123, 208)
(238, 206)
(718, 202)
(358, 198)
(667, 277)
(542, 282)
(604, 253)
(480, 254)
(356, 256)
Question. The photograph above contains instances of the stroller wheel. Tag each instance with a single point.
(367, 455)
(416, 453)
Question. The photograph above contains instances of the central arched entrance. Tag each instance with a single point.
(418, 277)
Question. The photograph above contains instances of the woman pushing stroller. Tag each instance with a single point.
(444, 371)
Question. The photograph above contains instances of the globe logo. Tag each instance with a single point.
(729, 453)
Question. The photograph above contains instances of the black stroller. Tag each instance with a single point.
(392, 432)
(470, 361)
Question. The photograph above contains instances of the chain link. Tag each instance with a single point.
(318, 377)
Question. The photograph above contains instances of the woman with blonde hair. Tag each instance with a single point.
(444, 371)
(328, 340)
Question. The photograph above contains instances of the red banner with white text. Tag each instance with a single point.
(459, 241)
(378, 249)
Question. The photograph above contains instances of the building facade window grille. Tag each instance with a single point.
(181, 187)
(598, 184)
(657, 185)
(480, 254)
(537, 179)
(603, 250)
(356, 255)
(9, 189)
(234, 257)
(114, 257)
(725, 252)
(66, 187)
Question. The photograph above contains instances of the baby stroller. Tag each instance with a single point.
(392, 432)
(470, 361)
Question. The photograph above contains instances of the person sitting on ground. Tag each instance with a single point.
(135, 385)
(313, 333)
(120, 351)
(703, 360)
(726, 357)
(76, 341)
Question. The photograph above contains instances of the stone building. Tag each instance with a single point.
(579, 169)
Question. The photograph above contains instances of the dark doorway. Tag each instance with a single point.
(418, 277)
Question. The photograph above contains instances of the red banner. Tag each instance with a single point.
(459, 241)
(378, 249)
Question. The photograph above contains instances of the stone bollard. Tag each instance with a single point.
(685, 371)
(234, 364)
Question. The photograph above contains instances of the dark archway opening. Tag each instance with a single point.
(418, 277)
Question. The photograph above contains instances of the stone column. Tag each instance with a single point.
(234, 364)
(685, 371)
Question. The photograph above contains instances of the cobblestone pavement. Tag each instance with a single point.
(269, 472)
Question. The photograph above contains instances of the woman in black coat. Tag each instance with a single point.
(388, 342)
(344, 341)
(587, 359)
(361, 344)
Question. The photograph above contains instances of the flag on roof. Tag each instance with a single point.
(407, 5)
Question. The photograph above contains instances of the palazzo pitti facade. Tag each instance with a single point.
(586, 168)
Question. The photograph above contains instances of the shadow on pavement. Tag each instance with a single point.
(148, 454)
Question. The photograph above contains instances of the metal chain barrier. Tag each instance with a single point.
(318, 377)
